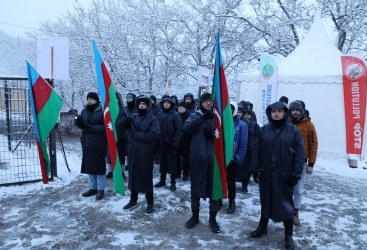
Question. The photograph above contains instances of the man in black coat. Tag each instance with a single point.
(200, 125)
(155, 106)
(143, 130)
(94, 145)
(171, 132)
(190, 102)
(281, 160)
(183, 150)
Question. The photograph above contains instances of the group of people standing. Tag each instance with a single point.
(180, 136)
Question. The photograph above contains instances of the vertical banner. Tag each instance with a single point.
(354, 84)
(268, 83)
(168, 84)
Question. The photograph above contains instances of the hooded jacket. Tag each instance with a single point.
(171, 131)
(143, 133)
(281, 155)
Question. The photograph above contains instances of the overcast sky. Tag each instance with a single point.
(30, 13)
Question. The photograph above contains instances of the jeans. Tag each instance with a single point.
(95, 180)
(298, 189)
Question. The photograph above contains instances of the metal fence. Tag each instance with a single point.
(19, 160)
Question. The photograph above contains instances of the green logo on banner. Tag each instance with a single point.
(267, 71)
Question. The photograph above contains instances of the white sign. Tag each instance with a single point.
(58, 68)
(204, 76)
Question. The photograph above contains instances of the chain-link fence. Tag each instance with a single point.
(19, 160)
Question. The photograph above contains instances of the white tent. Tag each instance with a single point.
(311, 73)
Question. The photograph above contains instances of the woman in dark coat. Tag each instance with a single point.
(94, 145)
(200, 125)
(281, 164)
(143, 132)
(171, 132)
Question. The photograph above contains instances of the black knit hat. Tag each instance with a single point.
(143, 98)
(182, 104)
(283, 99)
(204, 97)
(241, 108)
(152, 97)
(93, 95)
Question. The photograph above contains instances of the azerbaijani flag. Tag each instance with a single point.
(110, 113)
(46, 105)
(223, 127)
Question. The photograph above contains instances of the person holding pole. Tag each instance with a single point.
(94, 145)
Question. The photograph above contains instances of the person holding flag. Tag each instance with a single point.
(143, 130)
(94, 145)
(200, 125)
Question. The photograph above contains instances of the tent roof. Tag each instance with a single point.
(315, 60)
(316, 55)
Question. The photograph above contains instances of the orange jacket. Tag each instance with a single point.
(309, 136)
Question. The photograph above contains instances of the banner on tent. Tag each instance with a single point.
(354, 84)
(268, 83)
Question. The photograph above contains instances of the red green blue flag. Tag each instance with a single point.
(46, 105)
(110, 113)
(223, 127)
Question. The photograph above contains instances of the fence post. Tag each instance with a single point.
(7, 110)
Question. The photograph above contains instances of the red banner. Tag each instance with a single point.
(354, 82)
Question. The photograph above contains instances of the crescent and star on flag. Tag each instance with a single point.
(109, 125)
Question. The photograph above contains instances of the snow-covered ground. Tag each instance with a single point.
(56, 216)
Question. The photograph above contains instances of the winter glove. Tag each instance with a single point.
(129, 119)
(255, 176)
(208, 115)
(208, 133)
(80, 121)
(292, 181)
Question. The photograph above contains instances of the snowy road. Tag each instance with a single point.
(56, 216)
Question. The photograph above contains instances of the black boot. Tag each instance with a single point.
(260, 231)
(231, 207)
(289, 244)
(193, 220)
(150, 209)
(130, 205)
(100, 195)
(213, 222)
(173, 187)
(159, 184)
(90, 192)
(109, 175)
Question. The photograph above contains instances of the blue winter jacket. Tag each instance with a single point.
(240, 141)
